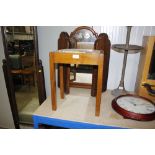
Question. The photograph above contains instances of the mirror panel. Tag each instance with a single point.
(151, 74)
(21, 51)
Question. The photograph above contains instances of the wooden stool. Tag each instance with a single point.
(84, 58)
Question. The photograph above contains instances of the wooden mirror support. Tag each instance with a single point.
(85, 37)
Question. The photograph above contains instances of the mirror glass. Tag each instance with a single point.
(21, 51)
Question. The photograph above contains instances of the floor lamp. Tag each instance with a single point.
(126, 49)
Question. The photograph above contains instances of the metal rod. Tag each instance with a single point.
(128, 36)
(125, 57)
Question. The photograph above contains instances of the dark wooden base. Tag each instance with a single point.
(80, 85)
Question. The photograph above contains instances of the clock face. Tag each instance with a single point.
(134, 107)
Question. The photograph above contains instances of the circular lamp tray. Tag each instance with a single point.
(122, 47)
(134, 107)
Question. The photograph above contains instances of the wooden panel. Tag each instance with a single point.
(76, 58)
(80, 85)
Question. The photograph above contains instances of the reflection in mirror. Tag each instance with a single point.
(21, 51)
(82, 38)
(151, 74)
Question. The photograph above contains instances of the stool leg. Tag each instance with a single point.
(61, 82)
(94, 81)
(99, 85)
(53, 82)
(67, 79)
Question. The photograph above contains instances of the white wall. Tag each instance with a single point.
(47, 40)
(117, 35)
(48, 36)
(6, 119)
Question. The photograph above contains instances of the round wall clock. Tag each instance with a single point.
(134, 107)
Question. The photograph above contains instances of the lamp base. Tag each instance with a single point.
(117, 92)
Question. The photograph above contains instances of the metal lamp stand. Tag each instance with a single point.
(126, 49)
